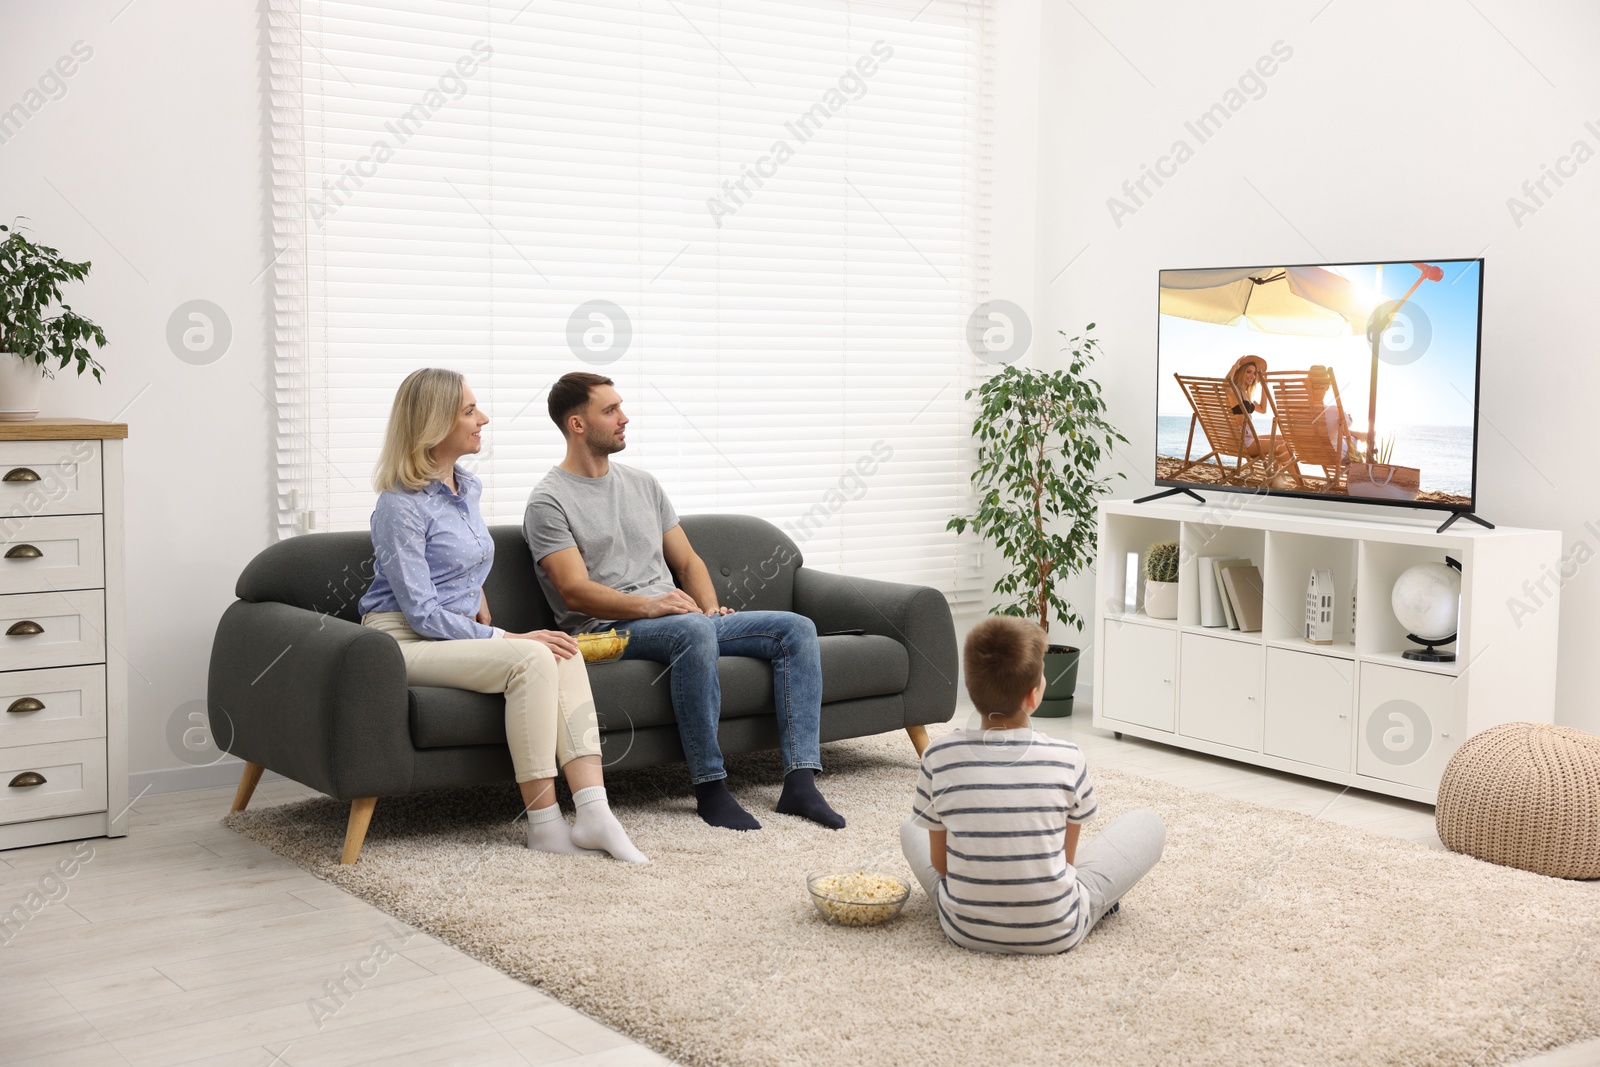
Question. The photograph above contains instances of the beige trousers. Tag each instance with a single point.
(550, 715)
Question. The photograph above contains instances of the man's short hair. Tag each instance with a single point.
(570, 395)
(1003, 660)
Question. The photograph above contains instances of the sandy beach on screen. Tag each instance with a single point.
(1167, 469)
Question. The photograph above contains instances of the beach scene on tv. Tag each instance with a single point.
(1344, 380)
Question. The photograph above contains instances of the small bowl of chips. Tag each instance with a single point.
(856, 897)
(602, 647)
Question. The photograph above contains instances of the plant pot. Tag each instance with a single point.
(19, 388)
(1161, 599)
(1060, 681)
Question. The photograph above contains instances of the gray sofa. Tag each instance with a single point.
(299, 687)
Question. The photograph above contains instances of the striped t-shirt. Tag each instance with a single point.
(1004, 799)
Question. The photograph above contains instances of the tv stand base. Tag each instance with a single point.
(1469, 516)
(1170, 492)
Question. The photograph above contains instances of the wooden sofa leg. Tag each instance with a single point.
(919, 738)
(356, 831)
(247, 786)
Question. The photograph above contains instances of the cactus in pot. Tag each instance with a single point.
(1161, 580)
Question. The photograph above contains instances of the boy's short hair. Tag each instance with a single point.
(1003, 660)
(570, 394)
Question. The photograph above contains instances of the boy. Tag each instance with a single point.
(994, 837)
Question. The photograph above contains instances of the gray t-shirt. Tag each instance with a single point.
(615, 521)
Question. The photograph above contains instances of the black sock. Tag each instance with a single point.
(800, 797)
(717, 807)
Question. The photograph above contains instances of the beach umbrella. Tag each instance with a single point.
(1300, 301)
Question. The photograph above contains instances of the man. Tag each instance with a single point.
(608, 547)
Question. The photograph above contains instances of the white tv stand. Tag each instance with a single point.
(1354, 712)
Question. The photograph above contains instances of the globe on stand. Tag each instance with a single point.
(1427, 601)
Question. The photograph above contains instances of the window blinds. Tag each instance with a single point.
(762, 218)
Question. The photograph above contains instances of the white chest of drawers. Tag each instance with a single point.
(63, 632)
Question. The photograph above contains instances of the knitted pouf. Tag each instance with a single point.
(1525, 795)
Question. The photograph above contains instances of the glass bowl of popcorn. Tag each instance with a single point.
(857, 897)
(602, 647)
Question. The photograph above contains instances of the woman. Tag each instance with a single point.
(1248, 376)
(433, 552)
(1321, 386)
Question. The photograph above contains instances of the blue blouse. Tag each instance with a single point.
(432, 552)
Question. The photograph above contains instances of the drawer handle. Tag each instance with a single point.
(25, 628)
(23, 705)
(21, 474)
(27, 778)
(23, 552)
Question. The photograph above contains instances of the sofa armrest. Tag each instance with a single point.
(313, 697)
(918, 616)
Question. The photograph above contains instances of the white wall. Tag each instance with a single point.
(149, 165)
(1013, 235)
(1393, 131)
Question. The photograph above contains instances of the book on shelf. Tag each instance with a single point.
(1217, 568)
(1210, 595)
(1244, 590)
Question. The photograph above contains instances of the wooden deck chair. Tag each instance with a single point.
(1317, 432)
(1213, 401)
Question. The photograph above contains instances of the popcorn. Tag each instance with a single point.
(599, 647)
(858, 898)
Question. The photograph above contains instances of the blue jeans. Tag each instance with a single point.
(690, 645)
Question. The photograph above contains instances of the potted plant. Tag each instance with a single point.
(1161, 581)
(36, 328)
(1041, 437)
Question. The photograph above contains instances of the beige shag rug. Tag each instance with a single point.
(1262, 938)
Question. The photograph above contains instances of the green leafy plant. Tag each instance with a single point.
(34, 323)
(1382, 453)
(1161, 563)
(1041, 438)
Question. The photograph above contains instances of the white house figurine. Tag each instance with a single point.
(1319, 608)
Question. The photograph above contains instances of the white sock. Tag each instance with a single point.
(548, 832)
(596, 827)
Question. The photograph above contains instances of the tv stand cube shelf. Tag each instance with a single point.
(1354, 712)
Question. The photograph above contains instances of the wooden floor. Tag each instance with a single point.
(185, 943)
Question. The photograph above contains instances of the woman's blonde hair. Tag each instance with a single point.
(425, 409)
(1237, 379)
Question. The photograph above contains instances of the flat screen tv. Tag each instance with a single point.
(1334, 381)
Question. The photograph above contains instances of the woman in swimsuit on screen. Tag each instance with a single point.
(1248, 376)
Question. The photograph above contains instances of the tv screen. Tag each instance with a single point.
(1348, 381)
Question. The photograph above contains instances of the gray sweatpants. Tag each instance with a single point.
(1108, 864)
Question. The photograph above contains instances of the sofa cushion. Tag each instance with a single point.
(866, 665)
(635, 693)
(751, 562)
(330, 573)
(516, 601)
